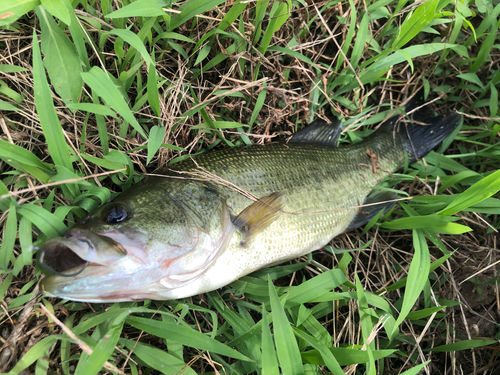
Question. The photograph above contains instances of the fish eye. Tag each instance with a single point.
(115, 215)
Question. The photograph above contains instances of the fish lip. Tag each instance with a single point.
(55, 287)
(91, 285)
(61, 285)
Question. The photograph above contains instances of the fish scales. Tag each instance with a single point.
(219, 216)
(317, 180)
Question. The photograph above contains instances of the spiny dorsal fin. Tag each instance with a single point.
(320, 132)
(259, 215)
(366, 213)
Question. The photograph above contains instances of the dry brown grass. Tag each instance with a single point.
(285, 110)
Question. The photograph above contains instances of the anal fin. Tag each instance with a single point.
(383, 200)
(259, 215)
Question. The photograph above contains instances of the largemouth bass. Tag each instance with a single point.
(212, 219)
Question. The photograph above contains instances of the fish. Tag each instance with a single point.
(209, 220)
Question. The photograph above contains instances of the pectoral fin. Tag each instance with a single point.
(259, 215)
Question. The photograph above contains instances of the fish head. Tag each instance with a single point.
(141, 245)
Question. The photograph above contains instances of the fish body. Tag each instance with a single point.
(324, 189)
(212, 219)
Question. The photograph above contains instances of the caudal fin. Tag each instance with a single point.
(424, 130)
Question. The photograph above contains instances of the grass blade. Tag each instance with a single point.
(156, 136)
(424, 313)
(48, 223)
(36, 352)
(328, 358)
(61, 60)
(191, 9)
(298, 55)
(315, 287)
(184, 335)
(139, 8)
(8, 238)
(462, 345)
(158, 359)
(346, 356)
(232, 15)
(415, 23)
(26, 241)
(12, 10)
(152, 86)
(66, 346)
(486, 46)
(54, 8)
(135, 42)
(97, 109)
(396, 58)
(417, 275)
(9, 68)
(417, 222)
(478, 192)
(269, 360)
(99, 81)
(415, 370)
(348, 37)
(75, 28)
(284, 338)
(361, 40)
(4, 106)
(258, 104)
(10, 152)
(101, 353)
(52, 130)
(278, 16)
(219, 125)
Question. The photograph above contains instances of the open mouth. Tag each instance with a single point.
(70, 255)
(59, 259)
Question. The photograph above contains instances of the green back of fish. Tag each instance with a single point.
(324, 186)
(311, 175)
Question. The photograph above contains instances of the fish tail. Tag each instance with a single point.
(424, 130)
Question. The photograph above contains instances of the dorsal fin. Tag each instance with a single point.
(259, 215)
(320, 132)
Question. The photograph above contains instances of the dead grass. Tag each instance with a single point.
(285, 110)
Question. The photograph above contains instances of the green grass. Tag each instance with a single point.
(93, 98)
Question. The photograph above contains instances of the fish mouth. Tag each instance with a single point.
(71, 254)
(65, 256)
(84, 263)
(66, 259)
(78, 248)
(61, 256)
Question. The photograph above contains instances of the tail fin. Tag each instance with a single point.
(425, 130)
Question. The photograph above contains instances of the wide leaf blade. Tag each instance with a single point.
(99, 81)
(52, 130)
(61, 60)
(184, 335)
